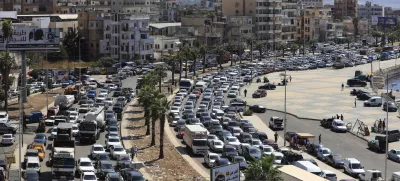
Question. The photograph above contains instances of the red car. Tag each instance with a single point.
(197, 92)
(270, 143)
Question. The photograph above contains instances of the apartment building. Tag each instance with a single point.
(239, 28)
(330, 30)
(91, 28)
(289, 20)
(127, 37)
(344, 8)
(309, 23)
(169, 11)
(369, 10)
(312, 3)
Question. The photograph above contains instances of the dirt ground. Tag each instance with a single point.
(173, 166)
(35, 103)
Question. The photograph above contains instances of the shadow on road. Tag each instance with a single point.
(134, 119)
(134, 127)
(133, 112)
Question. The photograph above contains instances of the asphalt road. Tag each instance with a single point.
(344, 144)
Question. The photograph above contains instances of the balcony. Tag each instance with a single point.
(213, 35)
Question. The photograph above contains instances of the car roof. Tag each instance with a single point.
(114, 175)
(328, 172)
(97, 145)
(106, 162)
(86, 159)
(3, 113)
(89, 173)
(33, 159)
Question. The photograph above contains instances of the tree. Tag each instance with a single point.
(161, 106)
(260, 47)
(377, 35)
(6, 64)
(392, 37)
(294, 47)
(313, 47)
(70, 42)
(57, 56)
(355, 24)
(145, 98)
(7, 28)
(219, 51)
(171, 60)
(263, 169)
(155, 115)
(203, 52)
(249, 42)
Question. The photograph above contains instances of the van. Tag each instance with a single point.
(338, 126)
(308, 166)
(33, 163)
(352, 167)
(395, 176)
(373, 101)
(201, 86)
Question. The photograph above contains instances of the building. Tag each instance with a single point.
(127, 37)
(312, 22)
(169, 11)
(205, 29)
(312, 3)
(91, 29)
(289, 20)
(239, 28)
(369, 10)
(330, 30)
(345, 8)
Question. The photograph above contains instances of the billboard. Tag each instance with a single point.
(229, 172)
(387, 21)
(31, 39)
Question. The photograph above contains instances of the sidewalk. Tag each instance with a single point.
(259, 124)
(13, 171)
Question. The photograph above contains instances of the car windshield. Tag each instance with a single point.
(232, 139)
(113, 140)
(356, 166)
(106, 166)
(325, 152)
(256, 142)
(278, 157)
(213, 157)
(33, 154)
(89, 177)
(254, 151)
(118, 149)
(85, 164)
(230, 149)
(7, 136)
(330, 175)
(246, 136)
(123, 158)
(199, 142)
(98, 148)
(339, 124)
(113, 129)
(217, 143)
(33, 165)
(2, 116)
(267, 149)
(239, 159)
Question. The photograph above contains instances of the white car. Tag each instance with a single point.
(84, 164)
(7, 139)
(92, 85)
(183, 92)
(394, 154)
(232, 93)
(75, 129)
(266, 149)
(112, 141)
(53, 134)
(329, 175)
(73, 113)
(108, 101)
(101, 98)
(210, 138)
(73, 119)
(216, 145)
(50, 121)
(256, 142)
(103, 92)
(209, 159)
(278, 157)
(174, 109)
(323, 153)
(232, 140)
(96, 149)
(88, 176)
(3, 117)
(117, 150)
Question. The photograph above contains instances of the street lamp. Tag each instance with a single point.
(285, 119)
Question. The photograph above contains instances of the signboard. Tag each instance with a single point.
(30, 39)
(387, 21)
(374, 20)
(226, 173)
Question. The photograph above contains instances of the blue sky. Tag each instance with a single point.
(391, 3)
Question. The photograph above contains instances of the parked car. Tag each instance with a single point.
(258, 108)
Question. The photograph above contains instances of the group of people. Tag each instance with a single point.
(381, 125)
(338, 117)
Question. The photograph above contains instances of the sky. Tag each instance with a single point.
(389, 3)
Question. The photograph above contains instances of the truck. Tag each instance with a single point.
(187, 84)
(62, 160)
(88, 131)
(64, 131)
(97, 114)
(293, 173)
(64, 102)
(371, 175)
(195, 138)
(276, 123)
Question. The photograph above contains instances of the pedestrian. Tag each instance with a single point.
(276, 137)
(380, 125)
(18, 97)
(169, 89)
(175, 83)
(245, 92)
(355, 102)
(337, 116)
(239, 91)
(319, 138)
(341, 117)
(134, 150)
(383, 125)
(290, 78)
(342, 86)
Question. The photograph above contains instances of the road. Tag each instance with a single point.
(344, 144)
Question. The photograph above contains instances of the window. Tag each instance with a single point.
(172, 45)
(157, 46)
(91, 45)
(26, 9)
(122, 48)
(165, 46)
(237, 11)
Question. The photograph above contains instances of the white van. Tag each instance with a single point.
(33, 163)
(352, 167)
(338, 126)
(308, 166)
(201, 86)
(373, 101)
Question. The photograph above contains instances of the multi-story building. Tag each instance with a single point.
(309, 22)
(312, 3)
(330, 30)
(207, 30)
(289, 20)
(127, 37)
(345, 8)
(369, 10)
(169, 11)
(239, 28)
(91, 28)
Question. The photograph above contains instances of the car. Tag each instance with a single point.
(96, 149)
(84, 164)
(116, 150)
(75, 130)
(113, 129)
(114, 177)
(231, 140)
(121, 159)
(209, 159)
(50, 121)
(104, 167)
(232, 94)
(335, 160)
(30, 153)
(329, 175)
(53, 132)
(174, 109)
(258, 108)
(394, 154)
(112, 140)
(216, 145)
(266, 149)
(211, 137)
(267, 86)
(132, 174)
(31, 175)
(241, 160)
(323, 153)
(3, 117)
(7, 128)
(259, 93)
(221, 162)
(229, 151)
(108, 101)
(88, 176)
(255, 142)
(389, 106)
(40, 138)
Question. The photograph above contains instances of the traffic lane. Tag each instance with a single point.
(344, 144)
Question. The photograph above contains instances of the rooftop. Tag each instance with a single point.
(164, 25)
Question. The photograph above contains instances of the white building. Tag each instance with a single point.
(126, 37)
(162, 44)
(330, 30)
(312, 3)
(369, 10)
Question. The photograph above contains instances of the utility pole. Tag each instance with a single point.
(23, 77)
(21, 128)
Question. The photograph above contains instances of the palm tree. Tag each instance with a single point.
(145, 98)
(219, 51)
(194, 52)
(263, 169)
(7, 28)
(312, 43)
(249, 42)
(180, 56)
(6, 64)
(171, 60)
(377, 35)
(154, 116)
(294, 47)
(260, 47)
(203, 52)
(162, 106)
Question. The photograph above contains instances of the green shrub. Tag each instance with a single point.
(248, 112)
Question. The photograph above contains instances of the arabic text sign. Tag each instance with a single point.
(387, 21)
(31, 39)
(226, 173)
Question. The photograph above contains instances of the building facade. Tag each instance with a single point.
(312, 3)
(289, 20)
(312, 23)
(91, 28)
(344, 8)
(369, 10)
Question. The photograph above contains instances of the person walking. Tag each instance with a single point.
(290, 78)
(337, 116)
(355, 102)
(169, 89)
(380, 125)
(276, 137)
(319, 138)
(341, 117)
(245, 92)
(383, 125)
(342, 86)
(134, 150)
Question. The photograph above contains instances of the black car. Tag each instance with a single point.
(221, 162)
(260, 135)
(327, 122)
(117, 107)
(267, 86)
(357, 92)
(259, 93)
(103, 168)
(245, 137)
(364, 96)
(335, 160)
(101, 157)
(356, 82)
(31, 175)
(241, 160)
(229, 151)
(389, 106)
(131, 174)
(258, 109)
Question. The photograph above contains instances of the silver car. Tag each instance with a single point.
(394, 154)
